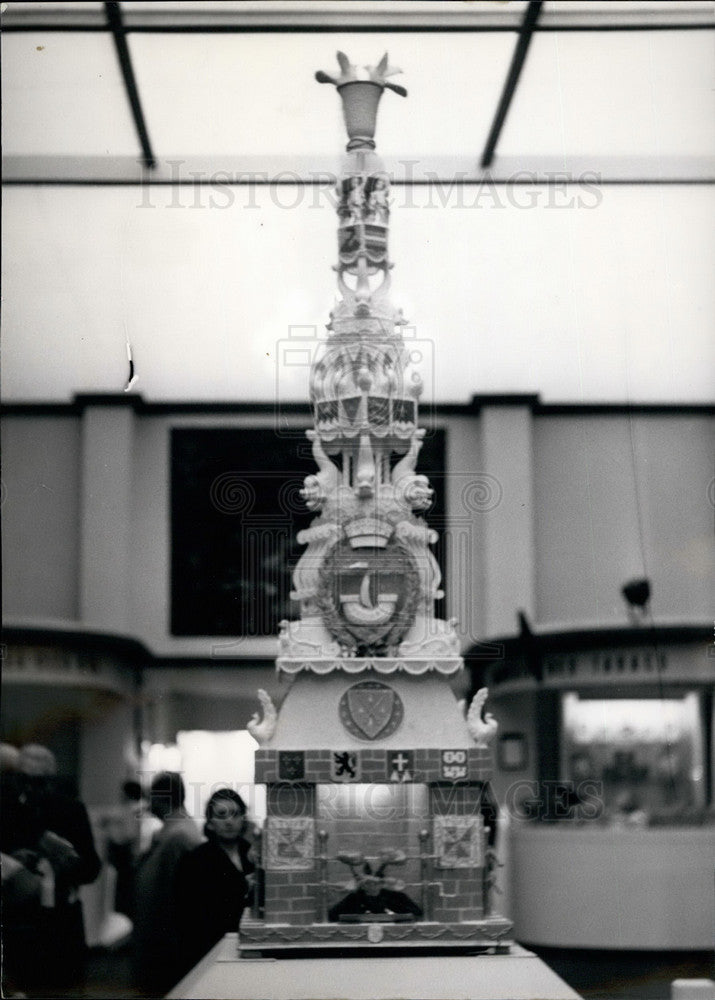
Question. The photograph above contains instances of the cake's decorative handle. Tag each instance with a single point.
(482, 725)
(263, 729)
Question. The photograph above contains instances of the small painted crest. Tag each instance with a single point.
(402, 765)
(345, 766)
(455, 765)
(291, 765)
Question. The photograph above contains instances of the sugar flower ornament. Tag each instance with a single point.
(379, 74)
(350, 73)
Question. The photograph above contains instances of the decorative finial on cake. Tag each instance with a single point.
(482, 725)
(379, 74)
(360, 95)
(348, 72)
(367, 581)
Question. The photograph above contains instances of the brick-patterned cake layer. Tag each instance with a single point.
(288, 799)
(455, 800)
(454, 874)
(375, 765)
(292, 897)
(458, 898)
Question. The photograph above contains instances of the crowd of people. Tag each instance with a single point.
(178, 891)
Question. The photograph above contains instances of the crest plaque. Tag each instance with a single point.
(291, 765)
(368, 596)
(345, 766)
(458, 841)
(290, 844)
(370, 710)
(454, 765)
(401, 765)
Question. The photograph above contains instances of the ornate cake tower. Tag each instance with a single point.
(379, 830)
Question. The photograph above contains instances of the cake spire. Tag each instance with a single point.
(367, 581)
(360, 96)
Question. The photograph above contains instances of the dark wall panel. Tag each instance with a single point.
(235, 513)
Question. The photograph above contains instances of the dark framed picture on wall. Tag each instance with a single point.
(236, 511)
(512, 752)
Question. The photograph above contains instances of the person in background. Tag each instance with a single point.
(9, 758)
(157, 963)
(20, 896)
(213, 880)
(128, 832)
(49, 834)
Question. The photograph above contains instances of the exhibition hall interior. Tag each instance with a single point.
(358, 500)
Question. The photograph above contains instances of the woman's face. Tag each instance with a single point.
(226, 821)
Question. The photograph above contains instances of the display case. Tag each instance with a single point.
(642, 757)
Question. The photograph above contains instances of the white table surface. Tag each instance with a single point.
(222, 975)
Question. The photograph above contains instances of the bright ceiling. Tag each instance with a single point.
(578, 265)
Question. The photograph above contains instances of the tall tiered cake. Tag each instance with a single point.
(380, 827)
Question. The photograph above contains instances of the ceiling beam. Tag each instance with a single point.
(343, 15)
(445, 173)
(512, 79)
(116, 26)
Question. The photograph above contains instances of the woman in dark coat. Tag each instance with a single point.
(212, 883)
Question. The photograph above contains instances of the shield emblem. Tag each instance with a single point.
(371, 709)
(291, 765)
(345, 765)
(368, 594)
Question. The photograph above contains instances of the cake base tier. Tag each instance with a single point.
(366, 937)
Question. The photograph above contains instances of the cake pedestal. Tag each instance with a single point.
(223, 975)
